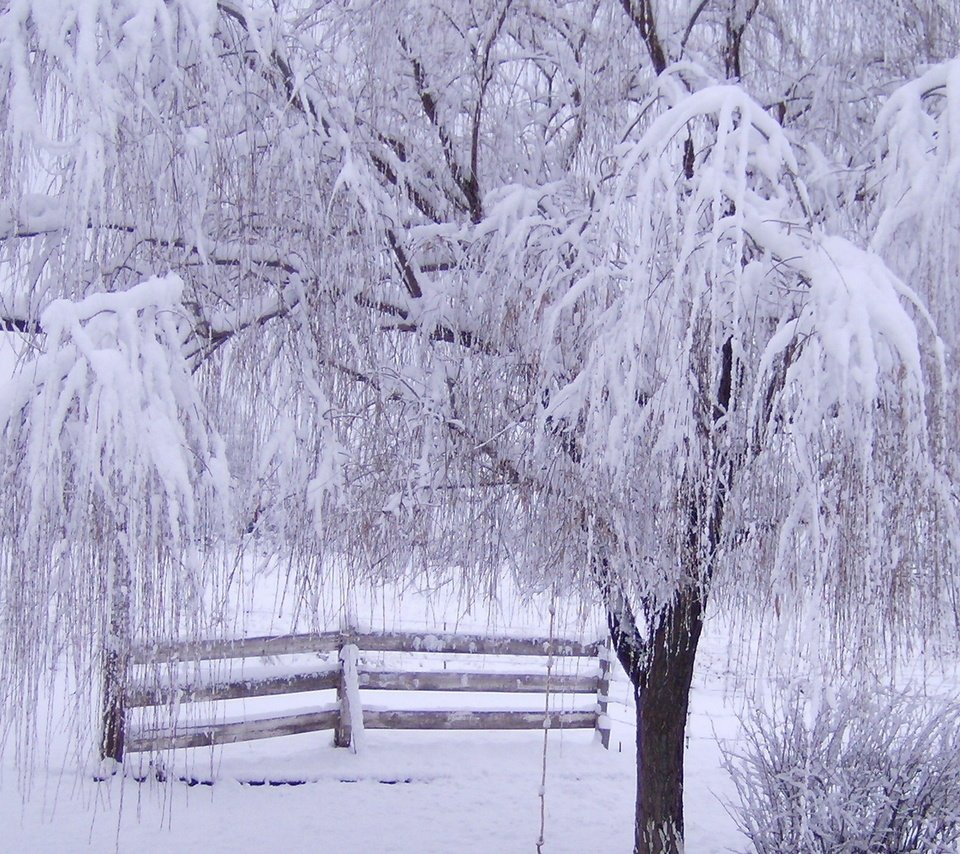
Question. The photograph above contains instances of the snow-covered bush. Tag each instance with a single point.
(864, 773)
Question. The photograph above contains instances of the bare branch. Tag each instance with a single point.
(641, 13)
(690, 24)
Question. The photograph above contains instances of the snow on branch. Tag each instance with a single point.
(914, 185)
(918, 130)
(113, 478)
(107, 406)
(721, 349)
(856, 339)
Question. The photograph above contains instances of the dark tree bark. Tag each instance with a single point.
(735, 27)
(114, 714)
(640, 13)
(659, 657)
(116, 664)
(660, 667)
(662, 701)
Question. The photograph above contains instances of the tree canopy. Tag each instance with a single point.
(651, 300)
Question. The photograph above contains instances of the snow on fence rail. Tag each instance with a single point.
(347, 716)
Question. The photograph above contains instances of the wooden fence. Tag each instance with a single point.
(348, 676)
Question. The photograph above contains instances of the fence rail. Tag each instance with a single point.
(348, 678)
(206, 734)
(139, 697)
(512, 683)
(450, 644)
(485, 719)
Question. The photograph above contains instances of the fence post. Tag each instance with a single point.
(350, 724)
(603, 692)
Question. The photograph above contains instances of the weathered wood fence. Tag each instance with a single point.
(348, 676)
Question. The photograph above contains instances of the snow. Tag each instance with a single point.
(403, 792)
(348, 660)
(116, 358)
(601, 297)
(407, 792)
(421, 796)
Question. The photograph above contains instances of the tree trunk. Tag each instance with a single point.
(662, 697)
(659, 659)
(114, 712)
(660, 667)
(116, 664)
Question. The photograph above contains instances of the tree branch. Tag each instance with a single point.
(466, 183)
(220, 255)
(641, 13)
(20, 324)
(734, 33)
(410, 281)
(691, 22)
(421, 203)
(295, 97)
(212, 337)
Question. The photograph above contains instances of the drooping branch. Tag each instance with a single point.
(296, 97)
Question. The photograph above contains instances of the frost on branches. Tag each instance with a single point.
(115, 482)
(648, 301)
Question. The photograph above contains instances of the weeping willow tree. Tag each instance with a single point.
(114, 481)
(616, 297)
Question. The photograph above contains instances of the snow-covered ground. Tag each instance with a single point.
(404, 792)
(407, 792)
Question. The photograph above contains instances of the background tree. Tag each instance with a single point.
(593, 292)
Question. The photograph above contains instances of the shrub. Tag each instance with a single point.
(865, 774)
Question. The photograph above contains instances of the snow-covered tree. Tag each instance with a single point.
(627, 296)
(113, 482)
